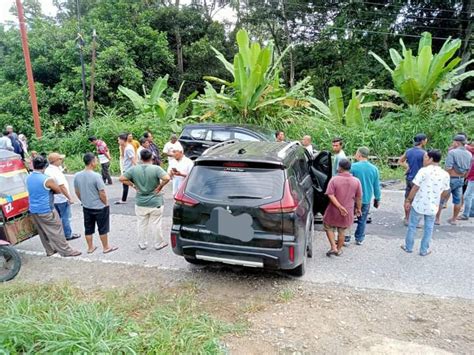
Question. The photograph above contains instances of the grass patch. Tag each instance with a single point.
(286, 295)
(64, 319)
(388, 173)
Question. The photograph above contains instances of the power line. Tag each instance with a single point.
(410, 6)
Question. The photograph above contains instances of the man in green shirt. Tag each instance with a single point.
(148, 180)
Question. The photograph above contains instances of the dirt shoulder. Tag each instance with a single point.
(285, 315)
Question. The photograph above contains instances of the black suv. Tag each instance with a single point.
(196, 138)
(251, 204)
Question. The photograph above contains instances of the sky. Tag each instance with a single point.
(49, 9)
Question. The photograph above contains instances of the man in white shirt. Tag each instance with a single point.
(5, 142)
(170, 147)
(62, 201)
(179, 169)
(338, 154)
(430, 184)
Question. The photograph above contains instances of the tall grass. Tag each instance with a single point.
(62, 319)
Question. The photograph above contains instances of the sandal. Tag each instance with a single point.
(111, 249)
(404, 248)
(331, 252)
(92, 250)
(339, 253)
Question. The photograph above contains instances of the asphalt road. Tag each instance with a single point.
(378, 264)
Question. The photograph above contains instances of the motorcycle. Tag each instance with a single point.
(10, 261)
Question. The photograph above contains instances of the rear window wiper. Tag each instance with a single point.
(244, 196)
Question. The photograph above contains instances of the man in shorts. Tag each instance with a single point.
(90, 189)
(344, 192)
(458, 164)
(412, 160)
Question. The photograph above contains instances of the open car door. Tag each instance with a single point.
(320, 171)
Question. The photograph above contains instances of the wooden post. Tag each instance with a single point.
(91, 98)
(29, 71)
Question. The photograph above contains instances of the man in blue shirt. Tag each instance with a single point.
(412, 160)
(46, 219)
(368, 174)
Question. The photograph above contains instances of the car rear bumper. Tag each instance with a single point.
(271, 258)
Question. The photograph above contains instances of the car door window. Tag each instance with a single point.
(198, 133)
(245, 137)
(220, 136)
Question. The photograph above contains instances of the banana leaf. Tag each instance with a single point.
(336, 103)
(137, 101)
(158, 88)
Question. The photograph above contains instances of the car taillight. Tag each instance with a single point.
(173, 238)
(291, 253)
(182, 199)
(287, 204)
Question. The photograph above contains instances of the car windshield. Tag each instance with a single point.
(231, 184)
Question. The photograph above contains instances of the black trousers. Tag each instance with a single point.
(106, 173)
(124, 192)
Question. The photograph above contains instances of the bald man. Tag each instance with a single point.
(308, 144)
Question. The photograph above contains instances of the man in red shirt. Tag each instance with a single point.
(104, 158)
(345, 194)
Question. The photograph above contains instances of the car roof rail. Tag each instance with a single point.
(218, 145)
(284, 150)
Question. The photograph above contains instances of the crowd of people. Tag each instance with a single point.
(352, 190)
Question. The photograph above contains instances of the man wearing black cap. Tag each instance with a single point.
(458, 163)
(412, 160)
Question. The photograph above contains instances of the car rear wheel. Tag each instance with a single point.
(300, 269)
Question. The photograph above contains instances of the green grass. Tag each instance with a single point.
(63, 319)
(388, 173)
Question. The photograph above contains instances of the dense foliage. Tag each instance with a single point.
(304, 67)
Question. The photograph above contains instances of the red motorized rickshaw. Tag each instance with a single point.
(15, 222)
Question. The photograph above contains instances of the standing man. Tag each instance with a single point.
(344, 192)
(129, 161)
(170, 147)
(17, 147)
(144, 144)
(5, 142)
(63, 200)
(337, 145)
(104, 158)
(429, 185)
(369, 177)
(180, 168)
(46, 219)
(280, 136)
(412, 160)
(458, 164)
(90, 189)
(469, 193)
(148, 180)
(153, 148)
(308, 145)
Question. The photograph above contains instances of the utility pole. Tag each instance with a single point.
(91, 98)
(80, 44)
(29, 72)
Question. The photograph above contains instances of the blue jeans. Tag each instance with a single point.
(64, 210)
(413, 221)
(469, 199)
(361, 223)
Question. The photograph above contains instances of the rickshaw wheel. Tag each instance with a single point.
(10, 263)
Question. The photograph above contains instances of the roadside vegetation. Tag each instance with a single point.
(161, 66)
(59, 318)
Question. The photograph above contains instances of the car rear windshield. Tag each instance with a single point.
(217, 183)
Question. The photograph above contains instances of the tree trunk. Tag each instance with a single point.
(288, 40)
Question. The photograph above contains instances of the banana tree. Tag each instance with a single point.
(255, 85)
(358, 109)
(170, 112)
(417, 78)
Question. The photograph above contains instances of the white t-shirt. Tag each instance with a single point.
(56, 173)
(337, 158)
(184, 166)
(169, 147)
(309, 148)
(432, 180)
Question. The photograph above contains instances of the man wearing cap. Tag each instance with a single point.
(63, 200)
(369, 177)
(458, 164)
(412, 160)
(41, 188)
(170, 146)
(179, 169)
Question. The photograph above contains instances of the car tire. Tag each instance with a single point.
(196, 261)
(309, 248)
(300, 269)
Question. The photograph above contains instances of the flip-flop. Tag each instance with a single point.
(426, 254)
(54, 252)
(437, 223)
(111, 249)
(161, 246)
(339, 253)
(91, 251)
(120, 203)
(331, 252)
(452, 222)
(74, 253)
